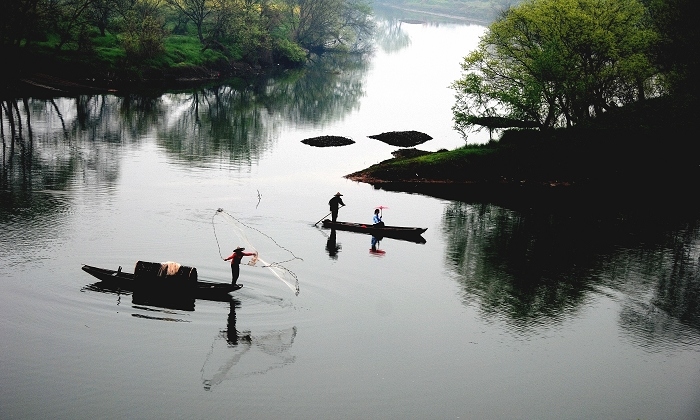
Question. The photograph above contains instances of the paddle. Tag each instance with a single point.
(322, 218)
(326, 216)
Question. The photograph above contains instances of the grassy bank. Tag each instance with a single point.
(646, 147)
(105, 66)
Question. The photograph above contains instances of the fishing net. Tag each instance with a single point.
(169, 268)
(254, 240)
(246, 354)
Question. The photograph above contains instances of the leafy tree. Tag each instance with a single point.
(100, 13)
(249, 28)
(551, 63)
(677, 53)
(320, 25)
(69, 19)
(227, 24)
(21, 22)
(256, 31)
(196, 11)
(142, 33)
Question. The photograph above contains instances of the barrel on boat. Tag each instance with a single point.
(166, 285)
(165, 274)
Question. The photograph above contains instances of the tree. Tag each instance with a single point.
(197, 11)
(551, 63)
(320, 25)
(677, 52)
(21, 22)
(69, 19)
(142, 31)
(249, 30)
(100, 12)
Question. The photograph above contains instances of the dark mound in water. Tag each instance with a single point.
(402, 138)
(328, 141)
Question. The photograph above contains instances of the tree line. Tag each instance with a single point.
(561, 63)
(254, 31)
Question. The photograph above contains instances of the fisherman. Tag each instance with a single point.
(236, 258)
(334, 204)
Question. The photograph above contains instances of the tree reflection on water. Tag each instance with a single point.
(532, 267)
(46, 142)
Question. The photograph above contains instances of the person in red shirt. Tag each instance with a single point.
(236, 258)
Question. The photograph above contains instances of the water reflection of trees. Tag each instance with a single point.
(390, 36)
(50, 140)
(325, 91)
(241, 121)
(47, 142)
(533, 267)
(389, 33)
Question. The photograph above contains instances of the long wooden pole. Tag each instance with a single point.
(322, 219)
(327, 216)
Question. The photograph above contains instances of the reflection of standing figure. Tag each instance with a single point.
(241, 341)
(232, 334)
(236, 258)
(334, 204)
(331, 246)
(374, 250)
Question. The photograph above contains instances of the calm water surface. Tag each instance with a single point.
(505, 312)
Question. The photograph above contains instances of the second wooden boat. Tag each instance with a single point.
(412, 234)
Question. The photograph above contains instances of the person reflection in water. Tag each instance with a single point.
(236, 258)
(374, 249)
(234, 339)
(375, 242)
(332, 246)
(232, 334)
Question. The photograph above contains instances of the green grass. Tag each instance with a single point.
(181, 54)
(187, 50)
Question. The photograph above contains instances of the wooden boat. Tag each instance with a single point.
(120, 281)
(412, 234)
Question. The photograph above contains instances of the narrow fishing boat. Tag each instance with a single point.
(165, 279)
(412, 234)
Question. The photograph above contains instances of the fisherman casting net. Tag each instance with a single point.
(254, 240)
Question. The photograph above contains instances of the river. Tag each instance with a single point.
(505, 312)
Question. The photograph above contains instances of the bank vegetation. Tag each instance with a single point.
(128, 41)
(599, 93)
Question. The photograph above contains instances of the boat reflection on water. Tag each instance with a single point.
(227, 356)
(145, 297)
(333, 247)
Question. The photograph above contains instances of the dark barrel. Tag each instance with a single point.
(157, 273)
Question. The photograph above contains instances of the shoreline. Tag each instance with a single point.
(67, 80)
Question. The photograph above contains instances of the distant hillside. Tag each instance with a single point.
(484, 11)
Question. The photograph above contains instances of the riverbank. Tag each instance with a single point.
(46, 77)
(638, 149)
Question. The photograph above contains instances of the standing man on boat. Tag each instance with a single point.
(236, 258)
(335, 204)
